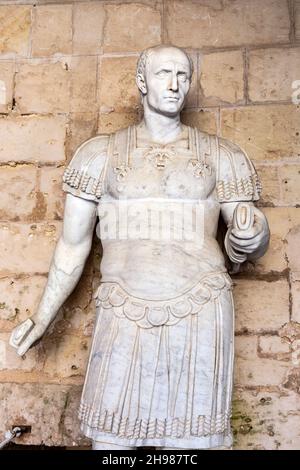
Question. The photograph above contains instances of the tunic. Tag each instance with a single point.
(161, 361)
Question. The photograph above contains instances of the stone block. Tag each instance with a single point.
(81, 127)
(251, 370)
(50, 410)
(43, 87)
(289, 177)
(265, 132)
(213, 23)
(52, 30)
(222, 78)
(89, 20)
(203, 119)
(7, 70)
(27, 248)
(274, 347)
(18, 185)
(131, 27)
(66, 356)
(52, 193)
(117, 87)
(20, 297)
(10, 360)
(296, 301)
(112, 122)
(297, 19)
(269, 179)
(15, 24)
(280, 254)
(271, 74)
(265, 420)
(83, 84)
(261, 305)
(32, 139)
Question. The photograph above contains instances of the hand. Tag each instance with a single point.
(254, 241)
(22, 340)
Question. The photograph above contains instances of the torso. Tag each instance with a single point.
(159, 185)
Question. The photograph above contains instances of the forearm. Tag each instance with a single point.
(65, 271)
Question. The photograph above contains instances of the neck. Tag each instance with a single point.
(161, 128)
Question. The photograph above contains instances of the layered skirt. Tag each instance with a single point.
(160, 373)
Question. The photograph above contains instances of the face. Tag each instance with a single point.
(167, 81)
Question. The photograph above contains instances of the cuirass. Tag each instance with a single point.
(182, 170)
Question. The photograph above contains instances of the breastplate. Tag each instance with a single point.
(183, 171)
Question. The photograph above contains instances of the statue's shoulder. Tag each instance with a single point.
(85, 173)
(237, 179)
(91, 153)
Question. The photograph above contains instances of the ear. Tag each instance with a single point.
(140, 81)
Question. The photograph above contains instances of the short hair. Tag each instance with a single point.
(144, 57)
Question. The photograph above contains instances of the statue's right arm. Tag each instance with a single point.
(66, 267)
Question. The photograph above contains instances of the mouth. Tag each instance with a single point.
(171, 98)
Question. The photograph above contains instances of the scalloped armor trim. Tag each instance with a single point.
(79, 180)
(249, 186)
(150, 313)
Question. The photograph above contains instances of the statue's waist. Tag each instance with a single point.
(148, 313)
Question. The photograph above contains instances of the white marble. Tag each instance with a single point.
(160, 366)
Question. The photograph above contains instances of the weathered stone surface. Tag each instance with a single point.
(27, 248)
(83, 84)
(10, 360)
(50, 410)
(289, 176)
(272, 72)
(251, 370)
(20, 296)
(88, 23)
(18, 192)
(265, 132)
(292, 240)
(222, 79)
(268, 309)
(7, 70)
(51, 192)
(112, 122)
(296, 301)
(204, 119)
(43, 87)
(81, 127)
(269, 179)
(131, 27)
(265, 420)
(274, 347)
(15, 22)
(279, 256)
(117, 87)
(218, 24)
(52, 30)
(297, 19)
(32, 138)
(66, 356)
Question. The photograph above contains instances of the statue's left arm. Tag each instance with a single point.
(238, 182)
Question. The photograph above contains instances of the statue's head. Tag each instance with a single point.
(163, 77)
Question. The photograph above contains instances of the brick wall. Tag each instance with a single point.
(67, 72)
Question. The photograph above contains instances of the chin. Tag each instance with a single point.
(170, 110)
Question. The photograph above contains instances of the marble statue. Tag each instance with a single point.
(161, 361)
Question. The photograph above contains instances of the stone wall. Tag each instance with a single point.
(67, 72)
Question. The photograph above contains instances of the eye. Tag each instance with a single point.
(182, 76)
(162, 73)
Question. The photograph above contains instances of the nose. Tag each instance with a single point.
(173, 84)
